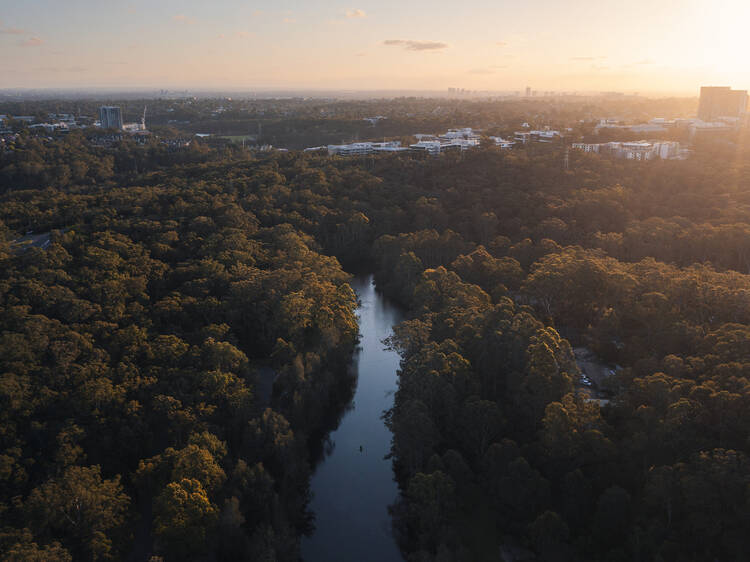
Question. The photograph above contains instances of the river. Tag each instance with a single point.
(353, 488)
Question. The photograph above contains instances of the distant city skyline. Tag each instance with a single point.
(673, 46)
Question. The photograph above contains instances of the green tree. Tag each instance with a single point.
(183, 518)
(80, 507)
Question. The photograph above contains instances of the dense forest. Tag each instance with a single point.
(167, 360)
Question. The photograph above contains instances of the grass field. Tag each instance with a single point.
(240, 138)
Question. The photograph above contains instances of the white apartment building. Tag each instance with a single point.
(465, 133)
(586, 147)
(461, 144)
(435, 147)
(431, 147)
(374, 120)
(364, 148)
(698, 127)
(455, 139)
(667, 150)
(635, 150)
(394, 146)
(648, 128)
(545, 136)
(503, 143)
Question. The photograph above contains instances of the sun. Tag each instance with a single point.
(730, 45)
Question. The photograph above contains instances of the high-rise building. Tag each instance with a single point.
(110, 117)
(721, 101)
(528, 91)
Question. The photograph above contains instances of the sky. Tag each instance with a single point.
(646, 46)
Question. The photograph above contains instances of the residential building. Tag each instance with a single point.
(386, 147)
(610, 123)
(721, 101)
(50, 127)
(667, 150)
(454, 139)
(662, 122)
(352, 149)
(503, 143)
(374, 120)
(545, 136)
(110, 117)
(64, 117)
(465, 133)
(364, 148)
(586, 147)
(431, 147)
(703, 128)
(460, 144)
(647, 128)
(635, 150)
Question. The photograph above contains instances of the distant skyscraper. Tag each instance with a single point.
(110, 117)
(721, 102)
(528, 91)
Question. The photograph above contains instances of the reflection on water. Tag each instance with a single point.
(353, 484)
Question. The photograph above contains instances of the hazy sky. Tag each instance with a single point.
(635, 45)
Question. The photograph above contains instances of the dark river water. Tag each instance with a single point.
(352, 489)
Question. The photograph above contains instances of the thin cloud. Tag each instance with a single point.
(13, 31)
(644, 61)
(31, 42)
(412, 45)
(182, 18)
(289, 20)
(353, 14)
(487, 70)
(242, 34)
(587, 59)
(501, 43)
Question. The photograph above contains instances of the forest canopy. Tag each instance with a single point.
(167, 358)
